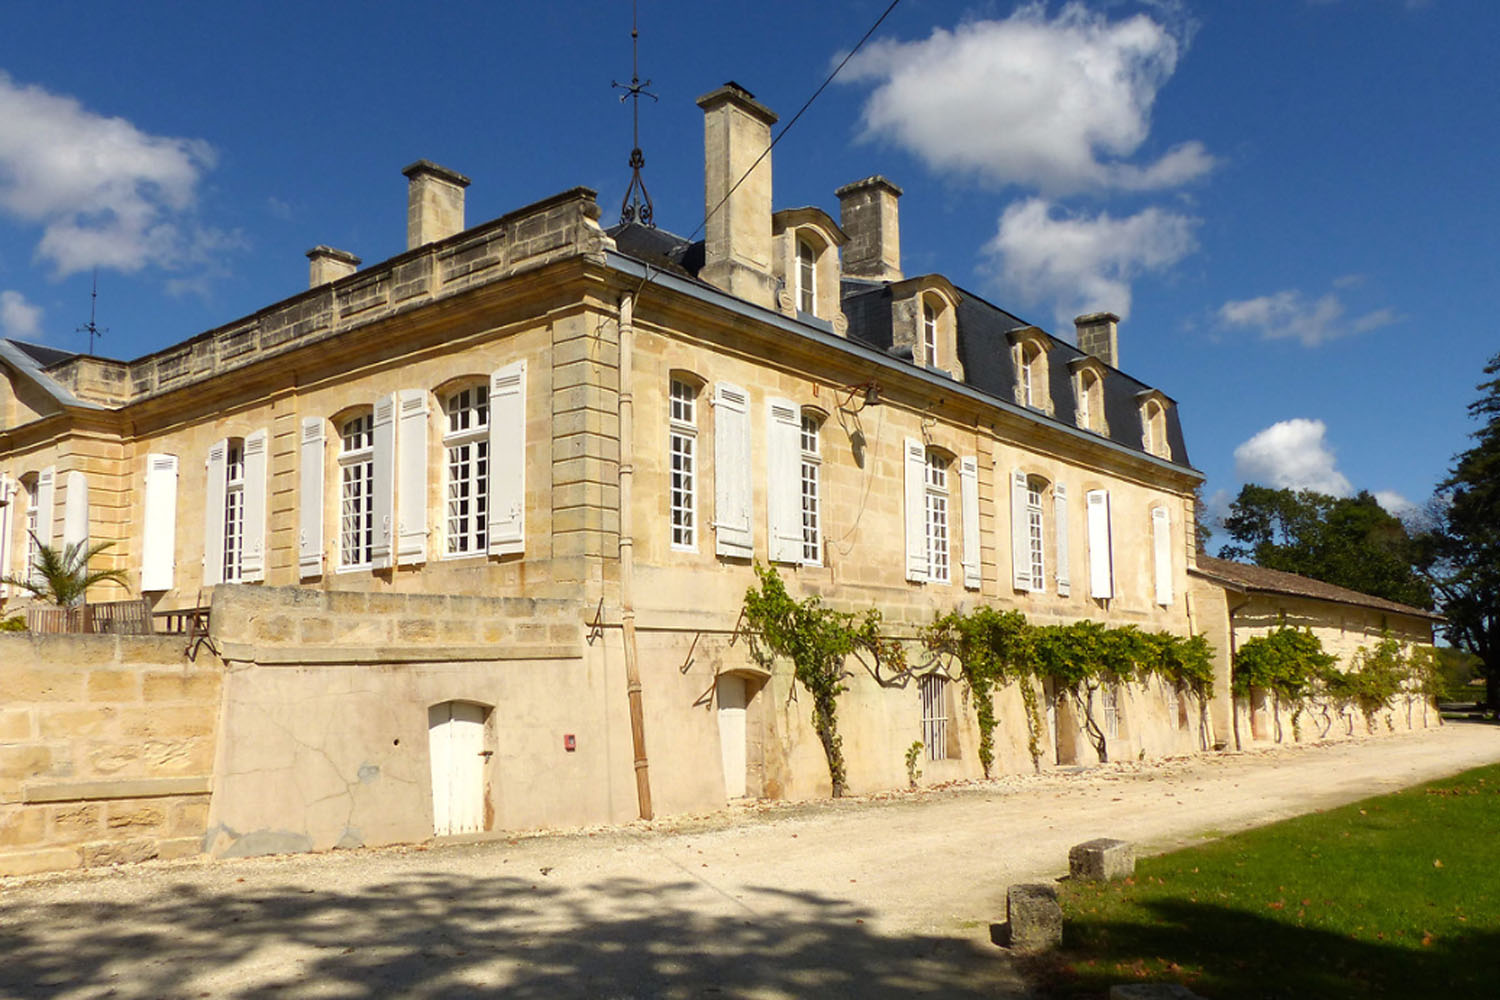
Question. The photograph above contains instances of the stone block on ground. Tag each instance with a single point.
(1101, 860)
(1035, 917)
(1152, 991)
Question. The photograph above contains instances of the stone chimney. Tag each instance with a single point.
(329, 265)
(434, 203)
(737, 235)
(1098, 334)
(867, 212)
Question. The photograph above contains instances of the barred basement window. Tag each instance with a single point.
(812, 463)
(234, 510)
(356, 491)
(1109, 696)
(935, 716)
(937, 517)
(467, 447)
(682, 448)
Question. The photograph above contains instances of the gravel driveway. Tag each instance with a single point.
(883, 897)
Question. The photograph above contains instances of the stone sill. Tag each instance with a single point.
(127, 788)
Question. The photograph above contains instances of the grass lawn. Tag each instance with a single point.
(1397, 896)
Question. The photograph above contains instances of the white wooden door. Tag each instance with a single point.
(455, 738)
(731, 693)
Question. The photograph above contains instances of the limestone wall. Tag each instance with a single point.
(106, 749)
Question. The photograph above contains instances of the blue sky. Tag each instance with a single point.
(1292, 202)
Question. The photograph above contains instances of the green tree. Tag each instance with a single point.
(1346, 541)
(62, 576)
(1462, 547)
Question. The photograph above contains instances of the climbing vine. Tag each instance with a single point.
(991, 648)
(817, 640)
(1287, 662)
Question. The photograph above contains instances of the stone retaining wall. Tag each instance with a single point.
(106, 749)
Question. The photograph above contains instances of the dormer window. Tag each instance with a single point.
(1154, 424)
(1029, 347)
(807, 278)
(924, 320)
(1088, 394)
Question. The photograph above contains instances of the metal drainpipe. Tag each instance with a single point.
(627, 554)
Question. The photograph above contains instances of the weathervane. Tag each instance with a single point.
(93, 329)
(636, 206)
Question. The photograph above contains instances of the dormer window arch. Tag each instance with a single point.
(925, 317)
(1153, 411)
(1088, 376)
(807, 243)
(1030, 348)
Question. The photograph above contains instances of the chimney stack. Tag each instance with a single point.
(867, 212)
(329, 265)
(1098, 334)
(737, 235)
(434, 203)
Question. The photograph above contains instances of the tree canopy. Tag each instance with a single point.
(1346, 541)
(1462, 549)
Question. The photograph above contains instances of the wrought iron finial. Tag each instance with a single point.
(91, 328)
(636, 206)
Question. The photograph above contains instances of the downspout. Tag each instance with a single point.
(627, 553)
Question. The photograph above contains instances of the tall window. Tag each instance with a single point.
(937, 518)
(33, 513)
(812, 463)
(234, 510)
(807, 278)
(683, 443)
(1154, 428)
(1031, 389)
(1109, 695)
(930, 333)
(935, 716)
(1090, 409)
(1035, 542)
(356, 491)
(466, 444)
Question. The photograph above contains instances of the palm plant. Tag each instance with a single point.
(62, 576)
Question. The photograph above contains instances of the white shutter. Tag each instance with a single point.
(383, 472)
(76, 511)
(1020, 535)
(46, 483)
(411, 479)
(733, 533)
(968, 498)
(310, 500)
(7, 504)
(784, 480)
(213, 513)
(916, 510)
(1101, 562)
(1060, 528)
(159, 534)
(508, 459)
(253, 556)
(1161, 539)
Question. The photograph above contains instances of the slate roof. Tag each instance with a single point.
(1257, 579)
(983, 347)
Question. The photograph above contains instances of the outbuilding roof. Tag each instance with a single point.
(1246, 578)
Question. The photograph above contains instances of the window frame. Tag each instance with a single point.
(933, 695)
(683, 395)
(362, 457)
(466, 534)
(1036, 531)
(805, 264)
(232, 547)
(811, 465)
(936, 504)
(930, 332)
(30, 483)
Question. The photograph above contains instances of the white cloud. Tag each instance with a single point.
(18, 318)
(1292, 454)
(1055, 103)
(1081, 263)
(1290, 314)
(105, 193)
(1395, 504)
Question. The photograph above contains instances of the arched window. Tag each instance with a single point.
(1090, 401)
(356, 490)
(466, 446)
(807, 277)
(33, 526)
(682, 448)
(1031, 375)
(234, 510)
(1154, 428)
(812, 514)
(1036, 537)
(936, 505)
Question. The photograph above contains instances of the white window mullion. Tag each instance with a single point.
(682, 459)
(936, 509)
(812, 501)
(466, 472)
